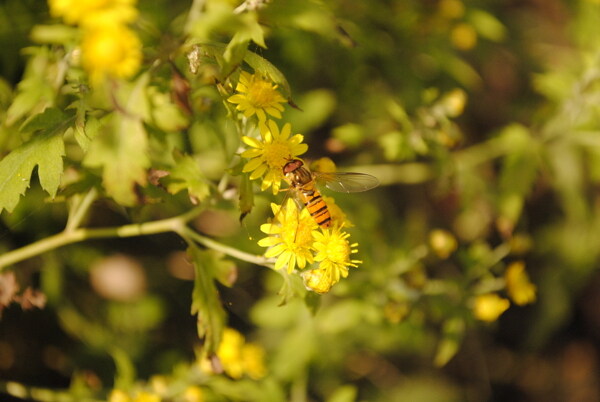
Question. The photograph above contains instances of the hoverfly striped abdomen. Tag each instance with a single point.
(303, 185)
(313, 201)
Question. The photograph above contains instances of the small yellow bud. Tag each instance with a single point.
(489, 307)
(518, 286)
(317, 280)
(193, 394)
(463, 37)
(117, 395)
(442, 242)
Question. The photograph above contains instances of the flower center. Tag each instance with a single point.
(297, 233)
(338, 251)
(277, 154)
(261, 93)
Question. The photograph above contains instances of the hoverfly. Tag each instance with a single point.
(303, 185)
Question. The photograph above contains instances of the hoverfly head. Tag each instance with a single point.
(292, 166)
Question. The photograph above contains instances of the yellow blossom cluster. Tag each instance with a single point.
(157, 390)
(296, 241)
(109, 48)
(238, 357)
(294, 238)
(490, 306)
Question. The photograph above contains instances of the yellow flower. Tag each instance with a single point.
(488, 307)
(271, 153)
(257, 96)
(230, 352)
(333, 252)
(117, 395)
(291, 239)
(239, 358)
(518, 286)
(145, 396)
(113, 51)
(463, 36)
(94, 12)
(442, 242)
(253, 357)
(193, 393)
(325, 165)
(159, 384)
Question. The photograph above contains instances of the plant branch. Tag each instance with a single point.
(70, 236)
(228, 250)
(176, 224)
(80, 209)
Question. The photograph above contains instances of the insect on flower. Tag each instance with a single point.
(303, 186)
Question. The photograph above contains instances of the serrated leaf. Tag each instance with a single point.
(34, 92)
(85, 130)
(186, 175)
(205, 300)
(86, 126)
(49, 119)
(121, 149)
(121, 153)
(44, 150)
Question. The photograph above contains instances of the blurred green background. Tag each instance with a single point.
(479, 117)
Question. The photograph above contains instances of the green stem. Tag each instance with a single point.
(81, 209)
(176, 224)
(195, 12)
(230, 251)
(77, 235)
(69, 236)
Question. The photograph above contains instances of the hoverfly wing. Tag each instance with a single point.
(347, 182)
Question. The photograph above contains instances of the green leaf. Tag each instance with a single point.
(519, 171)
(44, 149)
(453, 334)
(345, 393)
(234, 52)
(186, 175)
(86, 125)
(292, 287)
(121, 149)
(34, 93)
(55, 34)
(264, 67)
(296, 349)
(205, 299)
(165, 114)
(487, 25)
(50, 119)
